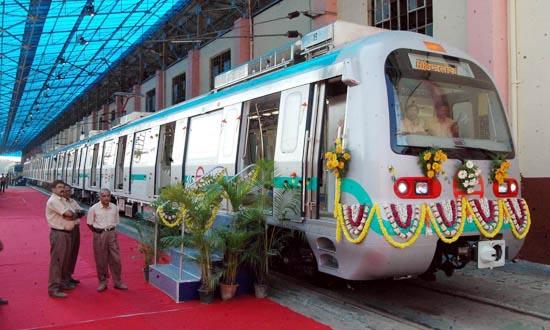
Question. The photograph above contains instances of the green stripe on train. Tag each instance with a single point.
(138, 177)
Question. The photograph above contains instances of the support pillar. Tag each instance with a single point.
(94, 120)
(488, 40)
(160, 90)
(137, 98)
(119, 102)
(330, 10)
(193, 75)
(242, 45)
(105, 117)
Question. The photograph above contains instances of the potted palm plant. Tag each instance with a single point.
(200, 204)
(267, 239)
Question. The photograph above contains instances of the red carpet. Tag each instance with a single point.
(24, 275)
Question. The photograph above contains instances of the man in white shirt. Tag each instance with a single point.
(61, 221)
(102, 220)
(75, 233)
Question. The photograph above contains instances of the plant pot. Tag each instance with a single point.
(206, 296)
(227, 291)
(146, 273)
(260, 290)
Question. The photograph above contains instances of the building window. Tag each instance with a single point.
(219, 64)
(150, 101)
(178, 89)
(409, 15)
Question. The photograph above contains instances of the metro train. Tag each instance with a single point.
(348, 82)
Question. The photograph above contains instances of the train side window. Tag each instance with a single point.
(333, 122)
(164, 156)
(93, 173)
(119, 170)
(203, 144)
(262, 117)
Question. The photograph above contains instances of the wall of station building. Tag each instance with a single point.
(511, 38)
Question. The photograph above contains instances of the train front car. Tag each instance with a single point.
(433, 182)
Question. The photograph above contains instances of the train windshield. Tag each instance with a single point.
(443, 102)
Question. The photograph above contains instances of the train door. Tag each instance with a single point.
(119, 163)
(69, 166)
(291, 147)
(327, 123)
(81, 170)
(107, 164)
(127, 163)
(60, 163)
(74, 167)
(142, 167)
(178, 152)
(164, 156)
(93, 157)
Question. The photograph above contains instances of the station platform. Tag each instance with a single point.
(24, 275)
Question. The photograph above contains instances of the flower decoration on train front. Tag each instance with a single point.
(431, 162)
(467, 176)
(517, 213)
(499, 170)
(337, 159)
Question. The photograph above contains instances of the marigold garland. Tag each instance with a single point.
(482, 230)
(410, 241)
(499, 170)
(459, 230)
(337, 159)
(163, 217)
(515, 232)
(431, 162)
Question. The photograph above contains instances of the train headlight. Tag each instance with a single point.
(503, 188)
(402, 187)
(421, 188)
(513, 187)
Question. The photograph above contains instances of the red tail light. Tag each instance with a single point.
(509, 188)
(417, 188)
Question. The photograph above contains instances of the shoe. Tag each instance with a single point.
(58, 294)
(73, 281)
(121, 286)
(67, 286)
(3, 301)
(102, 287)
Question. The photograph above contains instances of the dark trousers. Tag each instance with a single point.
(107, 255)
(75, 246)
(2, 187)
(60, 244)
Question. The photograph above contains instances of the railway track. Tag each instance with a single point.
(405, 304)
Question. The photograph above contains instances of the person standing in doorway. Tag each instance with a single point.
(75, 233)
(102, 221)
(61, 221)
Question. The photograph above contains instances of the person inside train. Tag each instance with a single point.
(442, 124)
(412, 124)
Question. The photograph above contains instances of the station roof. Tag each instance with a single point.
(51, 51)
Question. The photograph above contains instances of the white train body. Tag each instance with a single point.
(358, 89)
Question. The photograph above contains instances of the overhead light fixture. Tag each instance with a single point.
(59, 76)
(89, 9)
(47, 86)
(61, 61)
(82, 41)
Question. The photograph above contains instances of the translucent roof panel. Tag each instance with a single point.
(51, 51)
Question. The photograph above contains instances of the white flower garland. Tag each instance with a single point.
(403, 213)
(448, 213)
